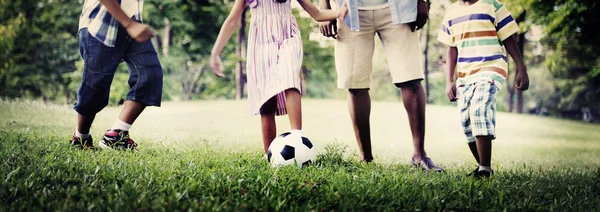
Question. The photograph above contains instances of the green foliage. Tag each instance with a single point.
(570, 34)
(40, 46)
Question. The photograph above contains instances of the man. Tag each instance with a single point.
(396, 23)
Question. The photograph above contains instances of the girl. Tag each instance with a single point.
(274, 58)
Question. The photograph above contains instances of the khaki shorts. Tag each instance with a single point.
(354, 50)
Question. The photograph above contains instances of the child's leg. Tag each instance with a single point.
(464, 104)
(484, 150)
(483, 121)
(474, 151)
(145, 82)
(267, 121)
(131, 110)
(294, 108)
(100, 65)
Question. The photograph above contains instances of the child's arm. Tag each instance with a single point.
(328, 28)
(522, 78)
(139, 32)
(323, 15)
(451, 58)
(226, 30)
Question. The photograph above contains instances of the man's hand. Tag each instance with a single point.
(422, 16)
(522, 79)
(329, 28)
(451, 91)
(216, 64)
(140, 32)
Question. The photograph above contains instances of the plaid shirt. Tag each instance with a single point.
(403, 11)
(101, 24)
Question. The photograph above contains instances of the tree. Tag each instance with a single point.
(240, 51)
(40, 46)
(572, 41)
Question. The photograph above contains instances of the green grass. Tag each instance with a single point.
(206, 155)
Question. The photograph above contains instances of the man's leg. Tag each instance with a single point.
(359, 105)
(354, 63)
(413, 98)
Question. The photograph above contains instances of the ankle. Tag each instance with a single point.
(419, 156)
(82, 135)
(121, 125)
(485, 168)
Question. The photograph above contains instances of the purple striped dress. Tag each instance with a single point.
(274, 54)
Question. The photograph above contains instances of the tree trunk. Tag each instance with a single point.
(304, 80)
(426, 65)
(189, 83)
(510, 89)
(520, 44)
(240, 51)
(166, 38)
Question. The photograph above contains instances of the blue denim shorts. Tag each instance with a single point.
(477, 104)
(100, 64)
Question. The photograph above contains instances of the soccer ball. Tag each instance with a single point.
(291, 148)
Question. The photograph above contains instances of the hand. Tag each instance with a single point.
(329, 28)
(140, 32)
(522, 79)
(343, 11)
(451, 91)
(216, 64)
(422, 16)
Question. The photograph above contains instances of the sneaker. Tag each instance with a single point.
(474, 172)
(426, 164)
(117, 139)
(79, 143)
(483, 174)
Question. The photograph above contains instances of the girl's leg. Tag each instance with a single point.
(267, 118)
(294, 108)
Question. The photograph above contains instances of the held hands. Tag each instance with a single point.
(140, 32)
(522, 79)
(422, 16)
(451, 91)
(329, 28)
(216, 64)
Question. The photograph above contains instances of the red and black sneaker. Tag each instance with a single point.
(79, 143)
(117, 139)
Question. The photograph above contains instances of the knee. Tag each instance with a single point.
(90, 104)
(411, 85)
(358, 92)
(269, 107)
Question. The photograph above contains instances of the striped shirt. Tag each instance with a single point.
(403, 11)
(477, 31)
(101, 25)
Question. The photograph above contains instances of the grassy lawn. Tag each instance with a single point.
(206, 155)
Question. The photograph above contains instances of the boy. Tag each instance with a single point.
(476, 31)
(110, 31)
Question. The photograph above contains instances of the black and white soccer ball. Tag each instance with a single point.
(291, 148)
